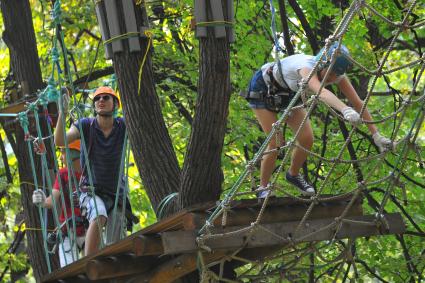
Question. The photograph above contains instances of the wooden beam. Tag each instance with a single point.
(17, 107)
(176, 268)
(131, 24)
(200, 12)
(185, 241)
(125, 245)
(147, 245)
(217, 14)
(117, 266)
(113, 24)
(273, 214)
(79, 279)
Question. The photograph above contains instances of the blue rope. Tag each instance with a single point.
(273, 28)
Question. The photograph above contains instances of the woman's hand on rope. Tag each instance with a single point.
(351, 116)
(39, 198)
(383, 143)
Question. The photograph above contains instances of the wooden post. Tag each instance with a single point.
(217, 14)
(130, 24)
(113, 23)
(231, 16)
(200, 17)
(147, 245)
(117, 266)
(103, 29)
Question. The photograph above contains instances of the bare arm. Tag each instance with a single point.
(49, 202)
(348, 90)
(325, 95)
(71, 135)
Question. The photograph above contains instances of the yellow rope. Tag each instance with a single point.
(125, 35)
(149, 34)
(35, 229)
(215, 23)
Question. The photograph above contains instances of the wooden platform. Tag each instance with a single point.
(167, 250)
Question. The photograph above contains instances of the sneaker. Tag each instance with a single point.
(262, 193)
(302, 185)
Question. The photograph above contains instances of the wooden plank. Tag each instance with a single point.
(113, 24)
(103, 29)
(217, 13)
(117, 266)
(185, 241)
(176, 268)
(283, 201)
(185, 219)
(273, 214)
(131, 24)
(231, 16)
(147, 245)
(79, 279)
(125, 245)
(200, 7)
(17, 107)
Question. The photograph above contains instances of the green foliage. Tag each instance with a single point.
(175, 61)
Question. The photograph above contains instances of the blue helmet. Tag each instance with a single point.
(341, 65)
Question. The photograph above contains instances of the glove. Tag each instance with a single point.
(38, 198)
(382, 142)
(351, 115)
(64, 100)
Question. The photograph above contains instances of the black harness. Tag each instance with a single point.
(276, 97)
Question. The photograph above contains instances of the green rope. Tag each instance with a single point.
(23, 119)
(69, 79)
(120, 175)
(57, 13)
(62, 195)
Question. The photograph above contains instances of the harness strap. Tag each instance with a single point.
(276, 87)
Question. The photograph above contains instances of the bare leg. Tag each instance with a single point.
(305, 139)
(93, 235)
(266, 119)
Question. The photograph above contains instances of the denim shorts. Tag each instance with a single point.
(257, 84)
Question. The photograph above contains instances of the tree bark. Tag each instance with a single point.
(202, 175)
(150, 141)
(20, 38)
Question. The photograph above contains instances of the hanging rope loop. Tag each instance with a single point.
(57, 12)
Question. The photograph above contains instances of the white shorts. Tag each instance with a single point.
(94, 205)
(113, 232)
(69, 251)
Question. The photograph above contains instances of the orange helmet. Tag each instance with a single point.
(75, 145)
(106, 90)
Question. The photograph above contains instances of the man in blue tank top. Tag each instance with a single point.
(104, 139)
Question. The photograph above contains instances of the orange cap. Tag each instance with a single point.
(74, 145)
(106, 90)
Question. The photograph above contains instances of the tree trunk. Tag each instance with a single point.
(150, 141)
(202, 176)
(20, 38)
